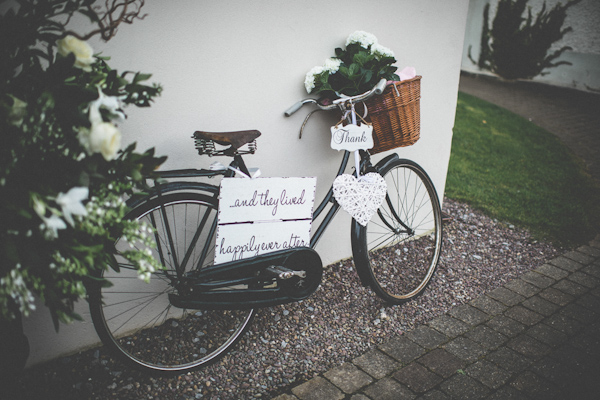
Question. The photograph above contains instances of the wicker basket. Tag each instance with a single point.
(395, 115)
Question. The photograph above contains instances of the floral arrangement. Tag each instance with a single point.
(62, 171)
(353, 70)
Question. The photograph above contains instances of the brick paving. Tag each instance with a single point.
(536, 337)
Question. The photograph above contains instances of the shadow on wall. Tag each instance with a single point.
(518, 46)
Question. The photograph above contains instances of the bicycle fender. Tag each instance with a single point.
(361, 260)
(168, 187)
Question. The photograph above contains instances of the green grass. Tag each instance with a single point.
(520, 173)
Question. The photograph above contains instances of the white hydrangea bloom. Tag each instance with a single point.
(332, 65)
(309, 81)
(381, 51)
(365, 39)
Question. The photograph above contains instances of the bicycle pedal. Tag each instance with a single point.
(285, 273)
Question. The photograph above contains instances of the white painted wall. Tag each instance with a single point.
(584, 40)
(234, 64)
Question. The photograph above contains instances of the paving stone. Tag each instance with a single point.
(461, 386)
(434, 395)
(528, 346)
(509, 360)
(317, 389)
(427, 337)
(584, 279)
(376, 364)
(568, 264)
(589, 341)
(590, 301)
(570, 287)
(285, 397)
(464, 349)
(348, 377)
(488, 374)
(487, 337)
(592, 270)
(521, 287)
(556, 296)
(589, 250)
(505, 296)
(552, 271)
(579, 313)
(359, 396)
(468, 314)
(563, 323)
(417, 378)
(506, 326)
(441, 362)
(577, 360)
(580, 257)
(448, 326)
(524, 315)
(533, 385)
(388, 389)
(553, 370)
(402, 349)
(508, 393)
(488, 305)
(546, 334)
(540, 305)
(537, 279)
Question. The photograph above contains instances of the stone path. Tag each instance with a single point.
(537, 337)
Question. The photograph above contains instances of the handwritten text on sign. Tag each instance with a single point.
(263, 215)
(352, 137)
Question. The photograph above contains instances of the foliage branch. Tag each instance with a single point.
(62, 171)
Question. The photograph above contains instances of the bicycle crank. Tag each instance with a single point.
(262, 281)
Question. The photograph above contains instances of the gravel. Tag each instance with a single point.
(291, 343)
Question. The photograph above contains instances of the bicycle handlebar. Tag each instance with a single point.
(377, 89)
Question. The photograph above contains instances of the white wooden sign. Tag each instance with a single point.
(352, 137)
(258, 216)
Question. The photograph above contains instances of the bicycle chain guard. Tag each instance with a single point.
(262, 281)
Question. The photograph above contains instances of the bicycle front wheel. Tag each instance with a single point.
(402, 243)
(136, 319)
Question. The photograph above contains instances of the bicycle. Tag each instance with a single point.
(192, 312)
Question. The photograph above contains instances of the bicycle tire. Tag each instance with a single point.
(401, 261)
(135, 319)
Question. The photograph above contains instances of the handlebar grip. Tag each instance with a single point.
(380, 87)
(293, 108)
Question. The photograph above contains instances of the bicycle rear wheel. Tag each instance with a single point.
(137, 321)
(402, 243)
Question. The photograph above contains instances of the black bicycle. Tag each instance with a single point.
(192, 312)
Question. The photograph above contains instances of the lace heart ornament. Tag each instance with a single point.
(360, 197)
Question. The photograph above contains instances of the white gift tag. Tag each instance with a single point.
(352, 137)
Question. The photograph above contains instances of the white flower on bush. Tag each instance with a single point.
(84, 54)
(51, 225)
(105, 138)
(365, 39)
(71, 203)
(309, 81)
(110, 103)
(102, 138)
(380, 51)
